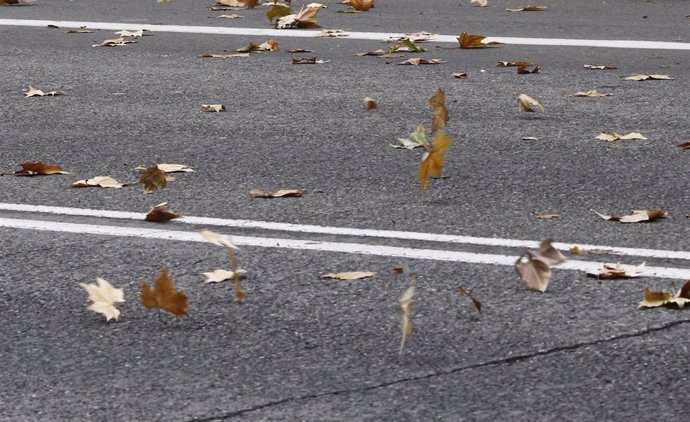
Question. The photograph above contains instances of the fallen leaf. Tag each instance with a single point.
(398, 270)
(528, 9)
(591, 94)
(8, 2)
(332, 33)
(534, 267)
(218, 276)
(213, 107)
(524, 70)
(517, 63)
(379, 53)
(238, 291)
(684, 145)
(653, 299)
(35, 92)
(172, 168)
(308, 60)
(159, 214)
(529, 104)
(415, 140)
(547, 216)
(637, 216)
(217, 239)
(80, 30)
(475, 301)
(268, 45)
(370, 103)
(432, 162)
(319, 5)
(221, 56)
(600, 67)
(115, 42)
(283, 193)
(612, 272)
(163, 295)
(618, 137)
(153, 179)
(301, 50)
(133, 34)
(474, 41)
(460, 75)
(104, 297)
(249, 4)
(576, 250)
(406, 313)
(305, 18)
(530, 138)
(440, 116)
(38, 168)
(406, 45)
(648, 78)
(278, 11)
(359, 5)
(353, 275)
(231, 16)
(481, 3)
(98, 181)
(416, 61)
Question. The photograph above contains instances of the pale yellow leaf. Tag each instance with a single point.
(217, 239)
(104, 297)
(353, 275)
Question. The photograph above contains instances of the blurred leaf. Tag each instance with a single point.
(38, 168)
(163, 295)
(354, 275)
(529, 104)
(159, 214)
(474, 41)
(612, 272)
(98, 181)
(432, 162)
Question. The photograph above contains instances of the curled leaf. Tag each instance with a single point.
(612, 272)
(416, 61)
(406, 314)
(159, 214)
(38, 168)
(440, 116)
(534, 267)
(525, 70)
(218, 276)
(98, 181)
(35, 92)
(370, 103)
(637, 216)
(432, 162)
(648, 78)
(528, 9)
(153, 179)
(475, 301)
(529, 104)
(474, 41)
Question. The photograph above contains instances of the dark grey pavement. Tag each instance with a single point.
(301, 348)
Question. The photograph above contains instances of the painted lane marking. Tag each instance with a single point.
(379, 36)
(342, 231)
(310, 245)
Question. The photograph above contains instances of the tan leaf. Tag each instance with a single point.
(173, 168)
(600, 67)
(104, 297)
(591, 94)
(516, 64)
(308, 60)
(115, 42)
(218, 276)
(481, 3)
(38, 168)
(612, 272)
(475, 301)
(332, 33)
(283, 193)
(406, 314)
(160, 215)
(547, 216)
(534, 267)
(221, 56)
(474, 41)
(530, 138)
(528, 9)
(35, 92)
(653, 299)
(269, 45)
(249, 4)
(648, 78)
(440, 116)
(163, 295)
(684, 145)
(305, 18)
(370, 103)
(353, 275)
(416, 61)
(460, 75)
(360, 5)
(417, 37)
(432, 162)
(98, 181)
(153, 179)
(217, 239)
(80, 30)
(618, 137)
(231, 16)
(529, 104)
(213, 107)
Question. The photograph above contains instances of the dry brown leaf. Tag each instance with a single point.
(600, 67)
(406, 313)
(301, 50)
(38, 168)
(218, 276)
(474, 41)
(475, 301)
(115, 42)
(648, 78)
(525, 70)
(351, 275)
(98, 181)
(332, 33)
(159, 214)
(547, 216)
(377, 53)
(528, 9)
(516, 64)
(416, 61)
(637, 216)
(282, 193)
(370, 103)
(460, 75)
(618, 137)
(213, 107)
(153, 179)
(591, 94)
(308, 60)
(359, 5)
(654, 299)
(612, 272)
(221, 56)
(104, 297)
(35, 92)
(529, 104)
(432, 162)
(163, 295)
(440, 116)
(80, 30)
(481, 3)
(534, 267)
(8, 2)
(684, 145)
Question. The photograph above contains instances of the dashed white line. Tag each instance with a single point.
(212, 30)
(310, 245)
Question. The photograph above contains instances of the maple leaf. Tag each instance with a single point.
(524, 70)
(370, 103)
(38, 168)
(534, 267)
(115, 42)
(432, 162)
(35, 92)
(529, 104)
(474, 41)
(159, 214)
(516, 64)
(591, 94)
(618, 137)
(655, 299)
(481, 3)
(104, 297)
(415, 140)
(648, 78)
(406, 45)
(637, 216)
(219, 240)
(98, 181)
(305, 18)
(406, 313)
(611, 272)
(359, 5)
(528, 9)
(153, 179)
(282, 193)
(600, 67)
(163, 295)
(217, 108)
(352, 275)
(218, 276)
(475, 301)
(440, 116)
(416, 61)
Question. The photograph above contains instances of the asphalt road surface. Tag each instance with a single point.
(303, 348)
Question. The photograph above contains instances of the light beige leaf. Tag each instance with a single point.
(80, 30)
(282, 193)
(221, 56)
(104, 297)
(547, 216)
(333, 33)
(612, 272)
(648, 78)
(600, 67)
(231, 16)
(98, 181)
(618, 137)
(115, 42)
(217, 108)
(481, 3)
(591, 94)
(218, 276)
(133, 34)
(529, 104)
(416, 61)
(35, 92)
(534, 267)
(217, 239)
(406, 314)
(174, 168)
(353, 275)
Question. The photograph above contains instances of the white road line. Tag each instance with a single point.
(267, 32)
(310, 245)
(342, 231)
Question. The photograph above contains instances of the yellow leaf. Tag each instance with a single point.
(440, 117)
(474, 41)
(618, 137)
(432, 163)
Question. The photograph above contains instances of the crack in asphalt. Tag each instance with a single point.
(501, 361)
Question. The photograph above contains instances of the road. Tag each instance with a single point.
(303, 348)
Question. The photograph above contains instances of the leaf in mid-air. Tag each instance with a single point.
(432, 163)
(440, 116)
(104, 297)
(164, 296)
